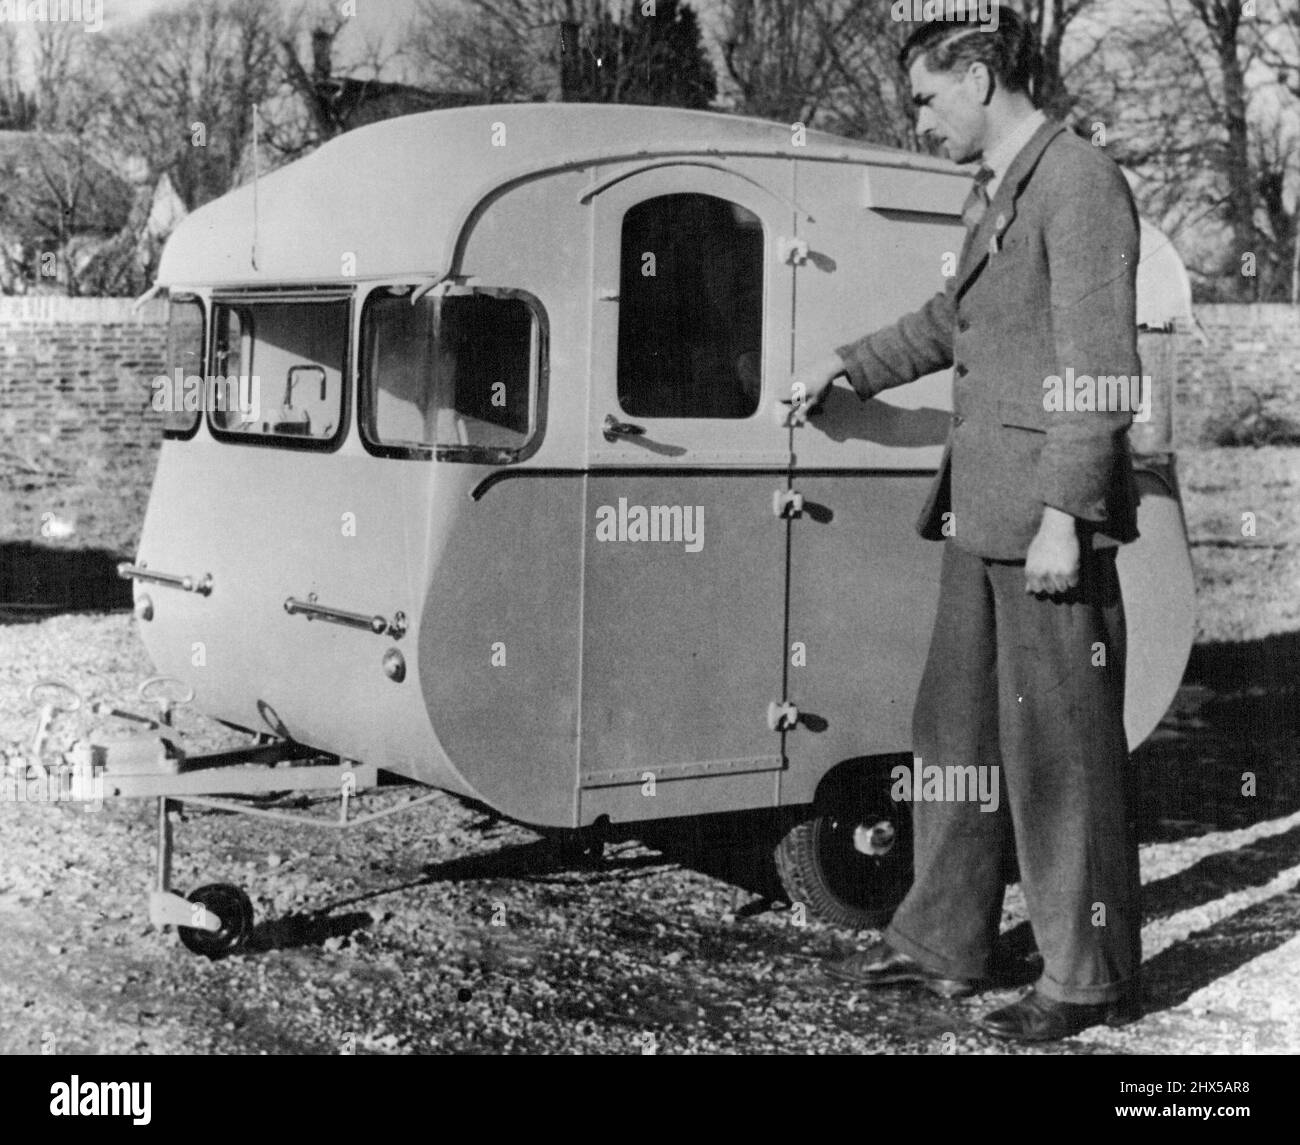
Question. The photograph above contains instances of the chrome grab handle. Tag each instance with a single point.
(202, 585)
(376, 624)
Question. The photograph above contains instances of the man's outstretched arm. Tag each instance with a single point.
(916, 345)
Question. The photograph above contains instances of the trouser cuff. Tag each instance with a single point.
(932, 960)
(1082, 995)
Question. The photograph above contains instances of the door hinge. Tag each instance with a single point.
(786, 503)
(782, 716)
(793, 252)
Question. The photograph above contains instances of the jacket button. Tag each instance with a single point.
(957, 419)
(962, 371)
(963, 324)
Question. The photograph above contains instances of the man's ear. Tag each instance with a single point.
(985, 84)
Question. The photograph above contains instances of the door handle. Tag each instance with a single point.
(615, 429)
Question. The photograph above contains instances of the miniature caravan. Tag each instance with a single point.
(519, 514)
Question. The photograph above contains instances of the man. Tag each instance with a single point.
(1026, 665)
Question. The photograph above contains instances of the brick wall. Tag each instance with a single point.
(74, 392)
(1252, 350)
(78, 439)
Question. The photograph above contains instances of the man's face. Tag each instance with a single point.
(951, 108)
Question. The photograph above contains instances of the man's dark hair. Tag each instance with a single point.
(1010, 51)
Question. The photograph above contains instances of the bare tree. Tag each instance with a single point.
(59, 61)
(1053, 20)
(340, 91)
(180, 85)
(779, 55)
(835, 62)
(1280, 52)
(463, 48)
(17, 109)
(1226, 91)
(602, 51)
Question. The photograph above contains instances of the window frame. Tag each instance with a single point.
(766, 246)
(185, 297)
(246, 303)
(538, 387)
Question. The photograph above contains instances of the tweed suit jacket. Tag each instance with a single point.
(1046, 282)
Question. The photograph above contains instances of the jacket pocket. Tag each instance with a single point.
(1014, 415)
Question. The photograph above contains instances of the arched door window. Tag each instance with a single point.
(690, 332)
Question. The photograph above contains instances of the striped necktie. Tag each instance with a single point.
(977, 202)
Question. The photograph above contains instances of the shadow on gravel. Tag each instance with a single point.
(312, 929)
(736, 850)
(547, 860)
(39, 581)
(543, 861)
(1175, 974)
(1214, 876)
(1237, 716)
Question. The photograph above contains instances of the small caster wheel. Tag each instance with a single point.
(232, 909)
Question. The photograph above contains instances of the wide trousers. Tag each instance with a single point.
(1035, 688)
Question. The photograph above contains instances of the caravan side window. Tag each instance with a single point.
(184, 353)
(279, 368)
(456, 375)
(690, 328)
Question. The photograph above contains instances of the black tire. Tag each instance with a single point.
(233, 910)
(821, 866)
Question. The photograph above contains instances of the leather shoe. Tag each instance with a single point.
(882, 965)
(1035, 1018)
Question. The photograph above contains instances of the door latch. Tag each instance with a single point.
(787, 413)
(613, 429)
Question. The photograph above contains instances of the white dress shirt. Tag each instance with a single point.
(999, 159)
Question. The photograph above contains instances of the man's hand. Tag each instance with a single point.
(809, 385)
(1052, 563)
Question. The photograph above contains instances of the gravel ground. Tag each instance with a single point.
(447, 931)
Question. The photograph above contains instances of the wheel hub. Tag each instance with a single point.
(874, 839)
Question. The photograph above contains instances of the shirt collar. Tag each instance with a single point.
(999, 158)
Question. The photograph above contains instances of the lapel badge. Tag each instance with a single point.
(999, 225)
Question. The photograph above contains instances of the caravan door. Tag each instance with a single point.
(684, 569)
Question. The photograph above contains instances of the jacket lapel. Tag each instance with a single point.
(1002, 210)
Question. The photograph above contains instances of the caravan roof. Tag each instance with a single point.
(393, 195)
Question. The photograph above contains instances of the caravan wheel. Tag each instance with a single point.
(851, 862)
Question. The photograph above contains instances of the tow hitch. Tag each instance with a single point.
(151, 761)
